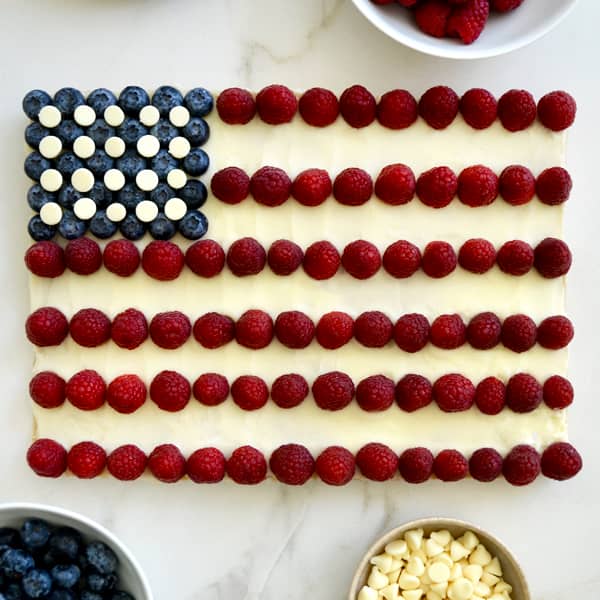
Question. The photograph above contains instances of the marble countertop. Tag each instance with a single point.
(270, 541)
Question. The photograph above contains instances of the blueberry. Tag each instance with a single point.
(68, 195)
(193, 193)
(68, 131)
(196, 131)
(35, 533)
(15, 563)
(39, 231)
(100, 99)
(199, 102)
(196, 162)
(35, 133)
(194, 225)
(87, 595)
(132, 228)
(37, 583)
(132, 99)
(162, 163)
(165, 98)
(67, 100)
(130, 196)
(100, 131)
(164, 131)
(101, 226)
(99, 163)
(101, 195)
(102, 583)
(120, 595)
(67, 542)
(131, 130)
(37, 196)
(35, 165)
(70, 227)
(162, 228)
(13, 592)
(62, 595)
(66, 576)
(34, 101)
(161, 193)
(131, 163)
(101, 557)
(67, 163)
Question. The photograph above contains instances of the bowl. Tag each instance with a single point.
(513, 573)
(131, 576)
(503, 32)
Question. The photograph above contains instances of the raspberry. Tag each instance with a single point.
(230, 185)
(86, 460)
(477, 186)
(334, 330)
(126, 393)
(468, 20)
(205, 258)
(47, 389)
(246, 257)
(319, 107)
(431, 17)
(247, 466)
(413, 392)
(558, 392)
(162, 260)
(214, 330)
(561, 461)
(254, 329)
(294, 329)
(46, 326)
(454, 393)
(395, 184)
(478, 108)
(521, 465)
(416, 465)
(83, 256)
(333, 391)
(312, 187)
(518, 333)
(211, 389)
(556, 110)
(45, 259)
(552, 258)
(439, 106)
(523, 393)
(411, 332)
(375, 393)
(170, 391)
(448, 332)
(127, 462)
(358, 106)
(553, 186)
(516, 185)
(439, 259)
(129, 329)
(86, 390)
(373, 329)
(450, 465)
(270, 186)
(166, 463)
(236, 106)
(484, 331)
(437, 187)
(477, 256)
(516, 109)
(292, 464)
(490, 396)
(121, 257)
(397, 109)
(377, 462)
(289, 390)
(321, 260)
(170, 330)
(505, 5)
(206, 465)
(276, 104)
(90, 327)
(47, 458)
(485, 464)
(335, 465)
(515, 257)
(361, 259)
(352, 187)
(555, 332)
(249, 392)
(284, 257)
(401, 259)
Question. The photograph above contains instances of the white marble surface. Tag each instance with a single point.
(271, 542)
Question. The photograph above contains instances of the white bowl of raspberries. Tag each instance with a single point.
(465, 28)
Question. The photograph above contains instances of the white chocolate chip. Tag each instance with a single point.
(377, 580)
(421, 554)
(412, 594)
(149, 115)
(502, 586)
(82, 180)
(383, 561)
(431, 595)
(397, 548)
(469, 540)
(489, 578)
(393, 576)
(176, 178)
(458, 551)
(443, 537)
(390, 592)
(116, 212)
(481, 589)
(148, 146)
(179, 116)
(415, 566)
(146, 180)
(444, 558)
(497, 597)
(494, 567)
(473, 572)
(438, 572)
(147, 211)
(114, 147)
(51, 213)
(50, 146)
(51, 180)
(84, 146)
(440, 588)
(396, 564)
(49, 116)
(85, 208)
(179, 147)
(114, 180)
(84, 115)
(408, 581)
(366, 593)
(425, 581)
(432, 548)
(461, 589)
(480, 556)
(455, 572)
(475, 597)
(113, 115)
(414, 539)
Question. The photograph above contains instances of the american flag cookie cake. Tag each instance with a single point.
(299, 285)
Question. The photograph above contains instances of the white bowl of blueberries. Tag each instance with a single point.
(54, 554)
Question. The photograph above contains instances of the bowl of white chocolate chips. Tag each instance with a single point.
(438, 559)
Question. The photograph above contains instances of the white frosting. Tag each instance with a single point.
(175, 209)
(113, 115)
(84, 115)
(176, 178)
(146, 180)
(50, 146)
(114, 147)
(51, 213)
(146, 211)
(49, 116)
(85, 208)
(114, 180)
(148, 146)
(84, 146)
(82, 180)
(51, 180)
(179, 116)
(149, 115)
(116, 212)
(179, 147)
